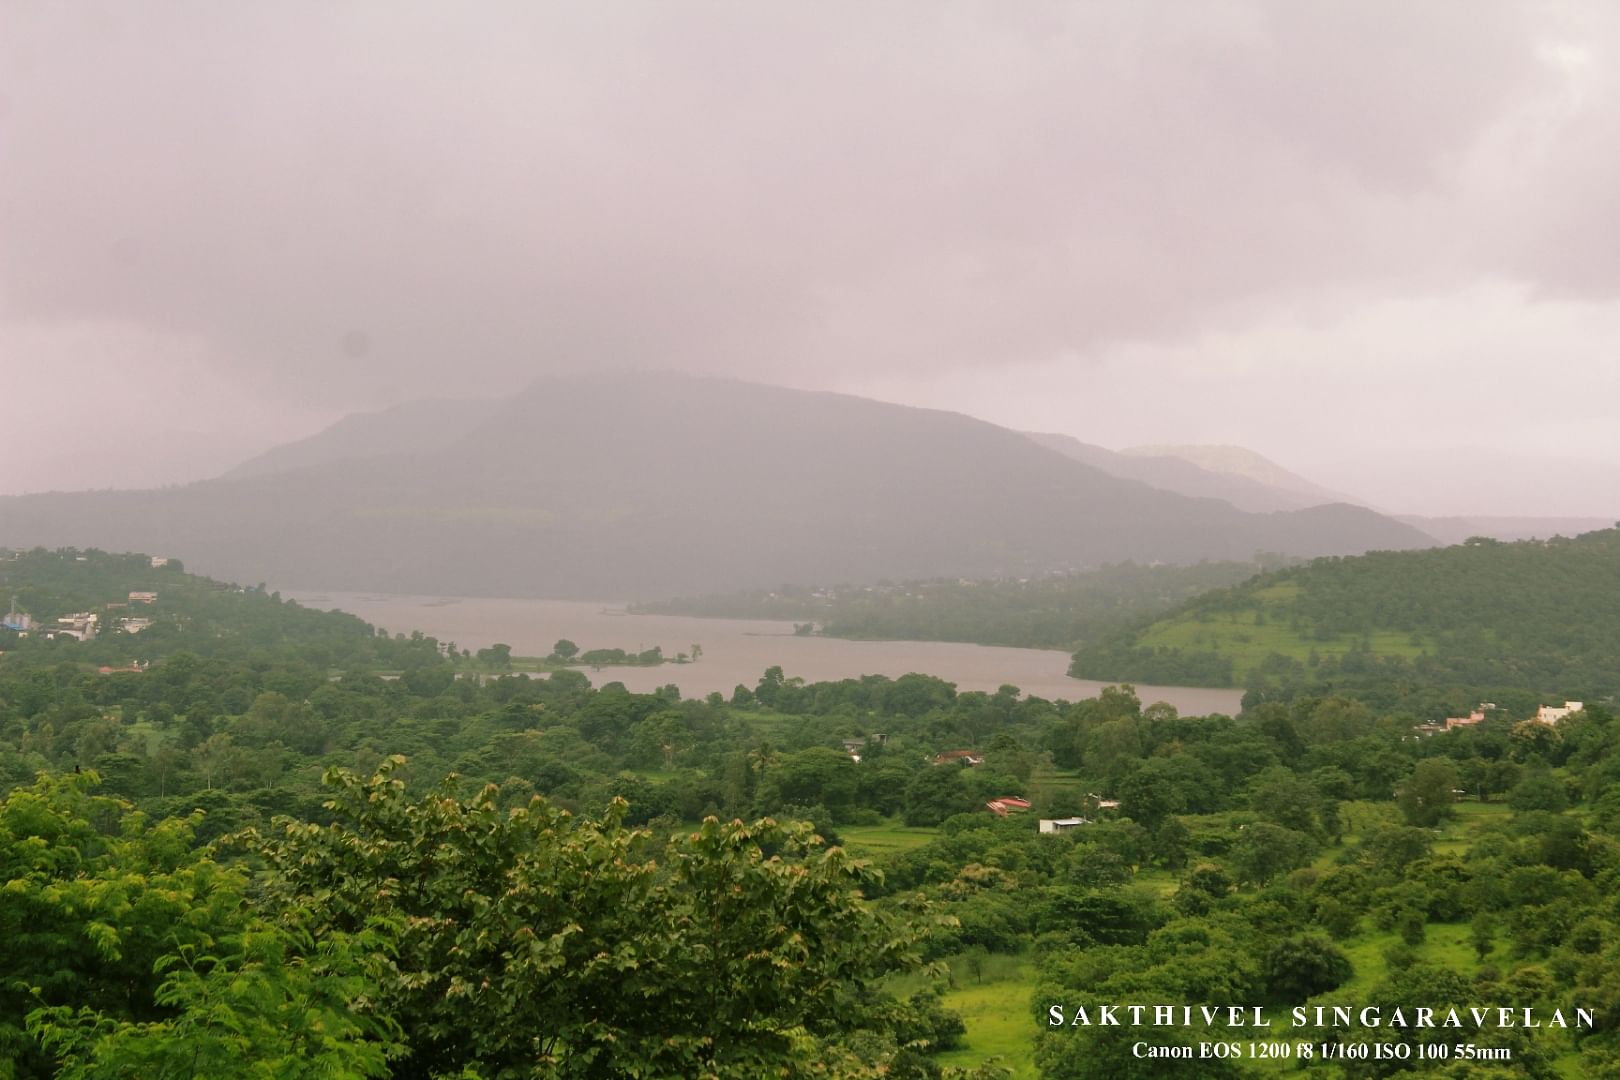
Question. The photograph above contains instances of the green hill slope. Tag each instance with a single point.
(1539, 615)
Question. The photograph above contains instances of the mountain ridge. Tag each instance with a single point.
(1225, 459)
(641, 486)
(1173, 473)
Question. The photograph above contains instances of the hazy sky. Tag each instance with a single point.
(1378, 242)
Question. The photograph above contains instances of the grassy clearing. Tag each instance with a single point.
(1056, 786)
(1162, 882)
(1456, 837)
(1249, 636)
(768, 726)
(996, 1010)
(660, 775)
(1056, 778)
(148, 733)
(891, 836)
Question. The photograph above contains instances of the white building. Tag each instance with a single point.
(1551, 714)
(81, 625)
(1062, 824)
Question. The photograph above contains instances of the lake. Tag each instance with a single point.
(734, 650)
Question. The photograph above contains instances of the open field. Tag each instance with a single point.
(873, 840)
(1049, 782)
(1249, 636)
(1000, 1023)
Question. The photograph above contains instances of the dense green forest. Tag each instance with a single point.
(1055, 611)
(1535, 616)
(293, 846)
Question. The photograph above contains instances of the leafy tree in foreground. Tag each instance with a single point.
(536, 944)
(131, 954)
(272, 1004)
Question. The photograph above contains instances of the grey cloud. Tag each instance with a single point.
(367, 201)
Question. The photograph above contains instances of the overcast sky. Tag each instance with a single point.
(1378, 242)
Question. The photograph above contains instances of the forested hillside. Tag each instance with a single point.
(1535, 615)
(253, 861)
(1056, 611)
(185, 613)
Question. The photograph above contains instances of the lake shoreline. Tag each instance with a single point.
(735, 651)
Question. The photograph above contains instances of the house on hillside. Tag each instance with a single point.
(143, 597)
(853, 747)
(1551, 714)
(1452, 723)
(1062, 824)
(958, 757)
(1007, 804)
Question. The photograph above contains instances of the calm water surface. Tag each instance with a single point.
(734, 650)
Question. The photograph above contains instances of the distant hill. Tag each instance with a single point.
(1172, 473)
(414, 429)
(1540, 615)
(1252, 482)
(640, 486)
(1241, 463)
(1454, 530)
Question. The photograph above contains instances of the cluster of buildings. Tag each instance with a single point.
(1007, 805)
(1452, 723)
(1010, 804)
(1546, 714)
(78, 625)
